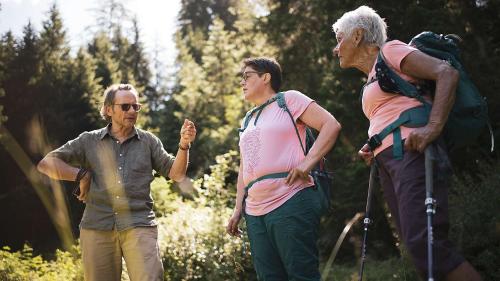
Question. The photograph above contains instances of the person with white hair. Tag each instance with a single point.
(361, 35)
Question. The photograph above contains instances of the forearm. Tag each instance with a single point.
(444, 98)
(422, 66)
(240, 193)
(179, 167)
(57, 169)
(327, 137)
(240, 190)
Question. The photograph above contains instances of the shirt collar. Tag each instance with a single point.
(107, 131)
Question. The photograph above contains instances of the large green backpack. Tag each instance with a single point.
(469, 115)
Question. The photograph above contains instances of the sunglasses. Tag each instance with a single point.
(126, 106)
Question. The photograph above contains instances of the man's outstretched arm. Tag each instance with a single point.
(179, 167)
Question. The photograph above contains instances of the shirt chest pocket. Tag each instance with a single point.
(138, 165)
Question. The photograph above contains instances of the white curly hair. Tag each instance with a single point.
(364, 17)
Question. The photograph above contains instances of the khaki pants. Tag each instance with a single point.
(102, 253)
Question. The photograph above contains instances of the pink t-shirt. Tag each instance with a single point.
(272, 146)
(383, 108)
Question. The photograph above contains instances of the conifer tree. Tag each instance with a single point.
(107, 70)
(7, 54)
(208, 88)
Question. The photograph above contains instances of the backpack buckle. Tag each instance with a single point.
(374, 142)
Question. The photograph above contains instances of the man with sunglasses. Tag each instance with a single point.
(113, 168)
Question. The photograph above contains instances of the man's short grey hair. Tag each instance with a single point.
(109, 97)
(375, 28)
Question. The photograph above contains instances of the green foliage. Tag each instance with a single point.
(475, 219)
(193, 239)
(396, 269)
(107, 68)
(195, 246)
(24, 266)
(219, 188)
(166, 202)
(7, 52)
(208, 86)
(192, 236)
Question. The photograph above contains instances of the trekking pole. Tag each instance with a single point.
(367, 221)
(430, 203)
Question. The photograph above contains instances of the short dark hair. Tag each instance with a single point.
(109, 97)
(266, 65)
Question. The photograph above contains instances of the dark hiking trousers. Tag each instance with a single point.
(283, 241)
(403, 183)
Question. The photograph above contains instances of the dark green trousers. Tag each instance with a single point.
(283, 242)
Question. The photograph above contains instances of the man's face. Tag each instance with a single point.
(122, 111)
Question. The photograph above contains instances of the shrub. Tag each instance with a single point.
(195, 246)
(192, 236)
(23, 266)
(395, 269)
(475, 219)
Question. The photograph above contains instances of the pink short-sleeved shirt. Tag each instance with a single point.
(272, 146)
(382, 108)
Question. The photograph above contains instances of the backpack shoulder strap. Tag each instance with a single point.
(257, 109)
(387, 76)
(309, 134)
(280, 98)
(246, 120)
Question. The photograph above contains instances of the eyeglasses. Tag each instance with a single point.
(126, 106)
(245, 75)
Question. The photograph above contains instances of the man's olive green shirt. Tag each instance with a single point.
(119, 193)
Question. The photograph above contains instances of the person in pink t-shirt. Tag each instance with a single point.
(281, 212)
(361, 35)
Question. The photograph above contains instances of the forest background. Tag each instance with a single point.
(49, 94)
